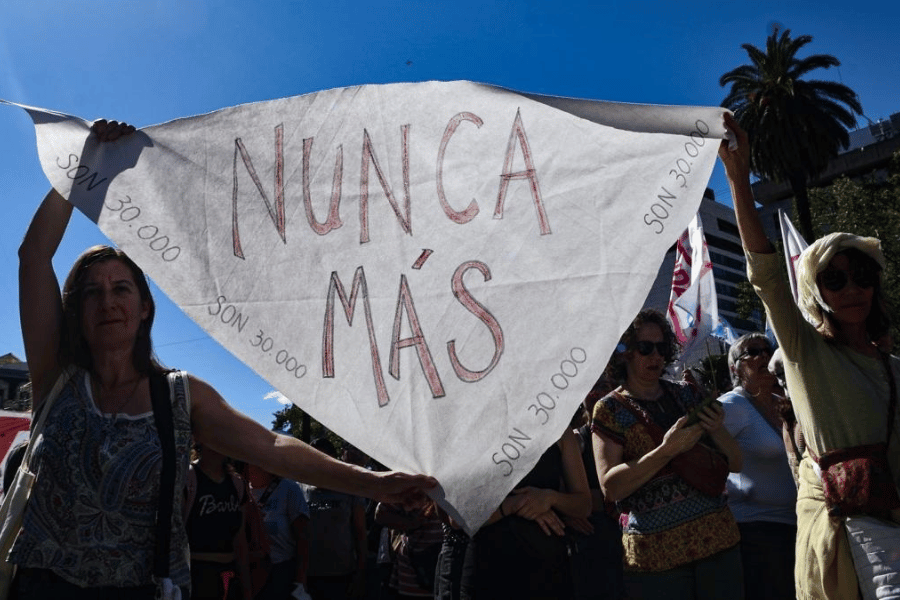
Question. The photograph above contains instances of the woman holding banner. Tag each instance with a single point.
(90, 521)
(842, 387)
(663, 456)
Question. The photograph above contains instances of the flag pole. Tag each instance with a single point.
(712, 370)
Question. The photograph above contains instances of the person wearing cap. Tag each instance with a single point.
(841, 383)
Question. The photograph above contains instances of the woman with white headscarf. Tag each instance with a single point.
(841, 384)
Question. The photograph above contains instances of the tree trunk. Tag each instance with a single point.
(801, 199)
(305, 428)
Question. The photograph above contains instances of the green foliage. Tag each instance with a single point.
(748, 302)
(290, 420)
(869, 207)
(749, 306)
(714, 369)
(795, 125)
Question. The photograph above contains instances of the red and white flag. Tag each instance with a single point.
(794, 244)
(693, 305)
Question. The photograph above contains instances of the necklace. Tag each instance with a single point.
(109, 425)
(766, 408)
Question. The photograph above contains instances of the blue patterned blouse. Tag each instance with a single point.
(92, 512)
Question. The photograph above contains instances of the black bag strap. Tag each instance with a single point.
(165, 427)
(892, 403)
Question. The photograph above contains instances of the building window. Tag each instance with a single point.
(726, 290)
(726, 261)
(729, 276)
(723, 244)
(727, 305)
(728, 227)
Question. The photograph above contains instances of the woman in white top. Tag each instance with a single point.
(762, 496)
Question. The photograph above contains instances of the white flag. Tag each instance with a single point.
(724, 331)
(693, 304)
(794, 245)
(437, 272)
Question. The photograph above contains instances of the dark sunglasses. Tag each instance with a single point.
(835, 280)
(754, 352)
(645, 348)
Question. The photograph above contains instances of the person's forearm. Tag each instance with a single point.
(502, 511)
(729, 447)
(46, 229)
(736, 160)
(295, 460)
(624, 479)
(753, 237)
(281, 455)
(40, 305)
(573, 504)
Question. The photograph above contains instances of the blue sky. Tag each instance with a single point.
(149, 61)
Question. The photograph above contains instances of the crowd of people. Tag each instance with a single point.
(660, 489)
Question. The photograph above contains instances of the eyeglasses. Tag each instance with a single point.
(645, 348)
(754, 351)
(835, 280)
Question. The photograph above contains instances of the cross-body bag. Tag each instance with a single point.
(859, 488)
(12, 512)
(858, 480)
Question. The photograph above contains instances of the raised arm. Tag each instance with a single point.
(234, 434)
(40, 304)
(737, 169)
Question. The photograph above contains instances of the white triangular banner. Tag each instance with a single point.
(490, 247)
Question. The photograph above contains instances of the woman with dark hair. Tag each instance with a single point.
(842, 385)
(90, 522)
(522, 551)
(762, 496)
(597, 539)
(214, 518)
(667, 474)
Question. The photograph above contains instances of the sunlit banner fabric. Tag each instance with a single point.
(438, 272)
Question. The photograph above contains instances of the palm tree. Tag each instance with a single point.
(795, 126)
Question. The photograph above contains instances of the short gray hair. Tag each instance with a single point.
(738, 348)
